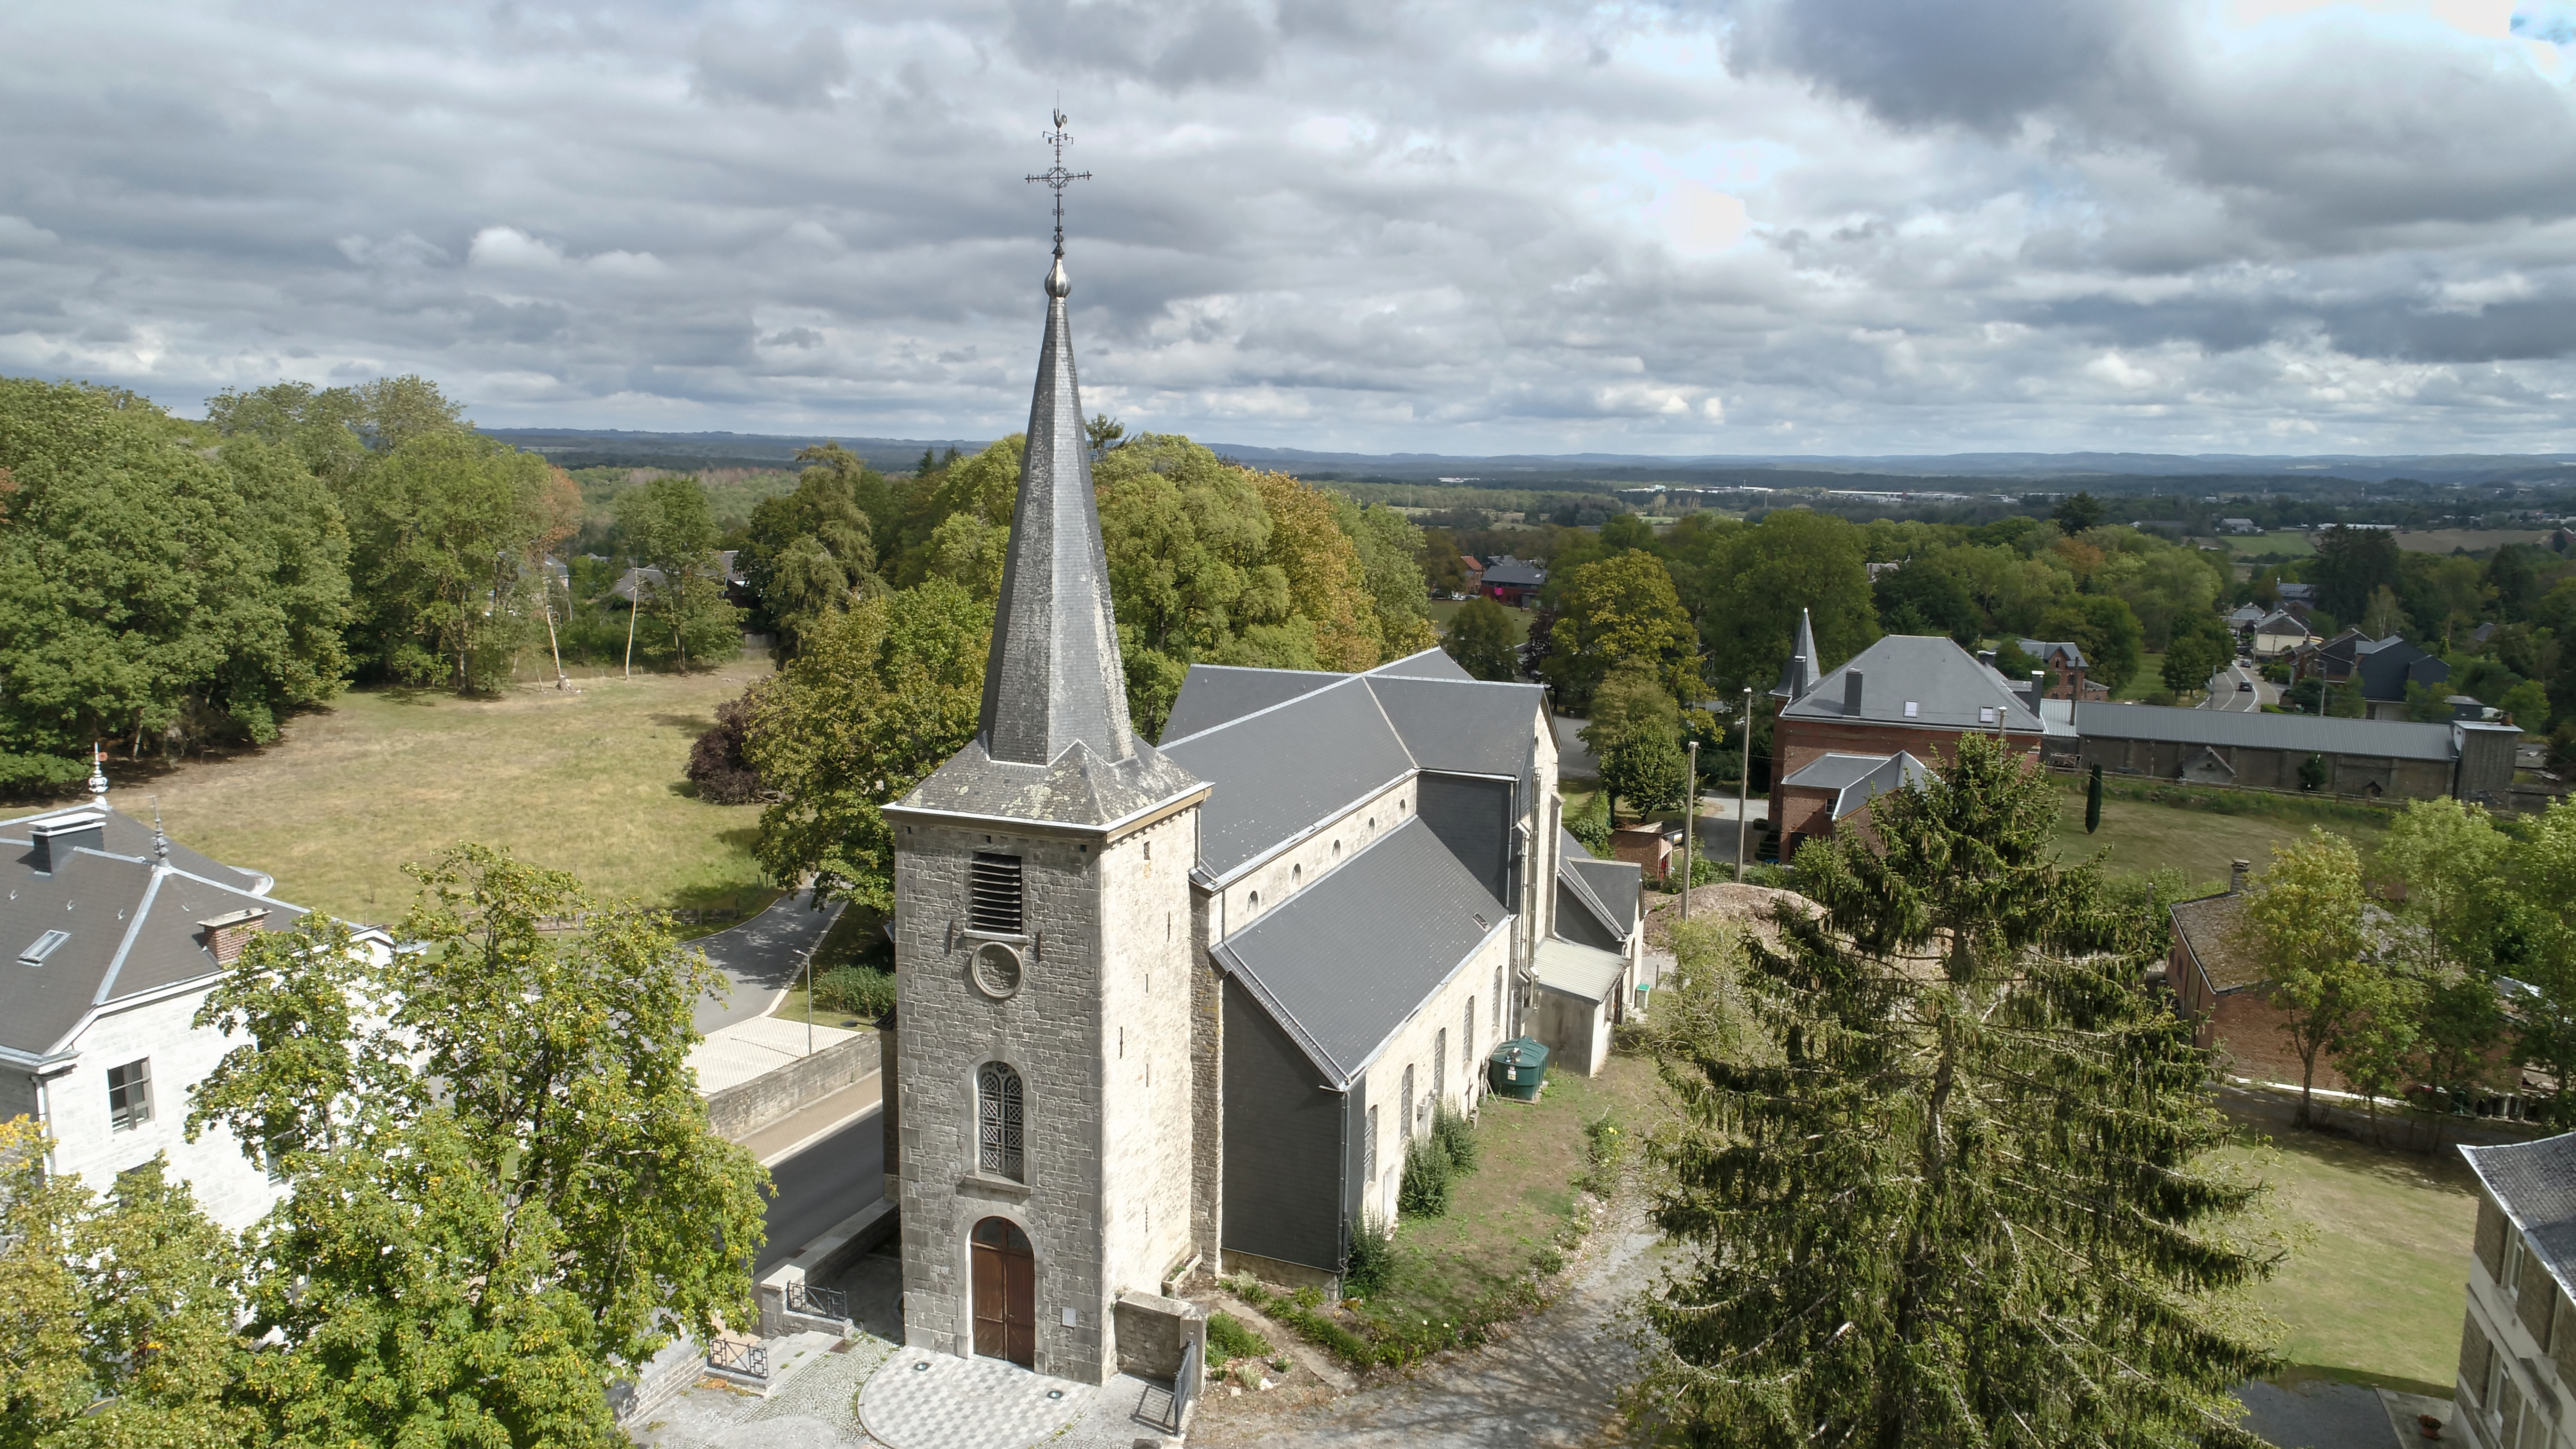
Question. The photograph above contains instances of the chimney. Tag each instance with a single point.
(1986, 657)
(57, 838)
(227, 935)
(2236, 876)
(1851, 693)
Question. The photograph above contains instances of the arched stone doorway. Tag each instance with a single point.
(1006, 1293)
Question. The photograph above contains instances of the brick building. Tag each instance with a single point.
(2067, 668)
(2220, 989)
(1906, 694)
(2376, 759)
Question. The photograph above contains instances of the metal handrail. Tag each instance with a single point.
(1185, 1384)
(820, 1302)
(750, 1359)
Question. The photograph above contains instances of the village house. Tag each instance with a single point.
(2277, 633)
(1910, 695)
(2383, 668)
(2218, 987)
(2064, 660)
(2516, 1386)
(1510, 580)
(119, 933)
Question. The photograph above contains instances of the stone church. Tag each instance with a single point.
(1177, 1007)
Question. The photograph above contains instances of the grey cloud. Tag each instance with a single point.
(801, 73)
(1979, 63)
(1174, 44)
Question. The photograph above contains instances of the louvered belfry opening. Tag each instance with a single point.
(994, 902)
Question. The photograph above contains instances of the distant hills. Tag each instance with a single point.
(2109, 472)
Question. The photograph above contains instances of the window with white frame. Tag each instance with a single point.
(1368, 1171)
(1000, 1123)
(129, 1095)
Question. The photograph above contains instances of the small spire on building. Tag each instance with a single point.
(1799, 674)
(160, 839)
(97, 777)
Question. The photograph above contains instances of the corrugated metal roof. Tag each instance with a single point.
(1578, 970)
(1349, 959)
(1279, 771)
(2304, 733)
(2535, 1184)
(1944, 684)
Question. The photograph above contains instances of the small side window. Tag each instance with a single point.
(129, 1095)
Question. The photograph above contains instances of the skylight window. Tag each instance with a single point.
(45, 946)
(1913, 707)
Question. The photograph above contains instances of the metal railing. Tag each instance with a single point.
(748, 1359)
(1185, 1384)
(820, 1302)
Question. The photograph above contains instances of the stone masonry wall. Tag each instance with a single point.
(1306, 862)
(1415, 1044)
(1097, 927)
(1207, 1085)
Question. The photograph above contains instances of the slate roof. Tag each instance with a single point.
(1283, 768)
(1432, 663)
(1578, 970)
(2297, 593)
(1346, 961)
(1601, 887)
(2535, 1184)
(1944, 682)
(133, 927)
(2387, 666)
(2246, 616)
(1854, 779)
(1211, 694)
(2237, 729)
(2042, 649)
(1798, 671)
(2281, 621)
(127, 836)
(1514, 573)
(2206, 928)
(1052, 743)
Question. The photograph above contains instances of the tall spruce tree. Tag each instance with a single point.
(1943, 1170)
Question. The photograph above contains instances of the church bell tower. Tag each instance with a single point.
(1042, 953)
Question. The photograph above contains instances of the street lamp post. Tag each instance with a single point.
(1744, 786)
(1690, 811)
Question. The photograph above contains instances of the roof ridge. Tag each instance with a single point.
(1338, 681)
(133, 930)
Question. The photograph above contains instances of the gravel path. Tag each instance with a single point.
(1553, 1383)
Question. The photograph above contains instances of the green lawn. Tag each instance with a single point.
(2373, 1290)
(2198, 841)
(1521, 1196)
(589, 783)
(1443, 610)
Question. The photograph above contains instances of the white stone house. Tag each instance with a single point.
(1176, 1006)
(2517, 1380)
(113, 936)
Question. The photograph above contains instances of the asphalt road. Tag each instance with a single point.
(822, 1185)
(2224, 693)
(761, 957)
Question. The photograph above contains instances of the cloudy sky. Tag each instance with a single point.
(1769, 226)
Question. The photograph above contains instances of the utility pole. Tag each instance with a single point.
(1690, 812)
(1744, 786)
(637, 607)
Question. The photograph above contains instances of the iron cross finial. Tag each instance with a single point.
(1056, 177)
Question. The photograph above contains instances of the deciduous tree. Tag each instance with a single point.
(1617, 610)
(1636, 734)
(1480, 639)
(2302, 922)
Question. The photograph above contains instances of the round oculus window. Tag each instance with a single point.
(996, 968)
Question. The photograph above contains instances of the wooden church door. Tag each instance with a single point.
(1006, 1293)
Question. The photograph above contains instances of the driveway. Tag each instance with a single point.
(761, 958)
(1554, 1383)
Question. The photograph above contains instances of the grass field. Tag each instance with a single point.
(2475, 540)
(2372, 1291)
(1443, 610)
(1522, 1193)
(2293, 542)
(2199, 842)
(589, 783)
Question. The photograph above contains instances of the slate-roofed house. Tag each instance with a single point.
(1838, 788)
(1512, 580)
(2242, 619)
(2516, 1384)
(1186, 1002)
(2280, 632)
(1906, 694)
(114, 935)
(2066, 665)
(2219, 988)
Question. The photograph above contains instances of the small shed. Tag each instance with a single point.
(1576, 998)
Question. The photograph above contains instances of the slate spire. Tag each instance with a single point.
(1054, 678)
(1799, 674)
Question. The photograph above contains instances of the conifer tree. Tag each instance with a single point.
(1942, 1172)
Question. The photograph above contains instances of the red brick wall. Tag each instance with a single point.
(1796, 743)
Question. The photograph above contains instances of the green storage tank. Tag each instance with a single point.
(1516, 1068)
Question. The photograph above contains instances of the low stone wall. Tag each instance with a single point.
(1154, 1331)
(744, 1108)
